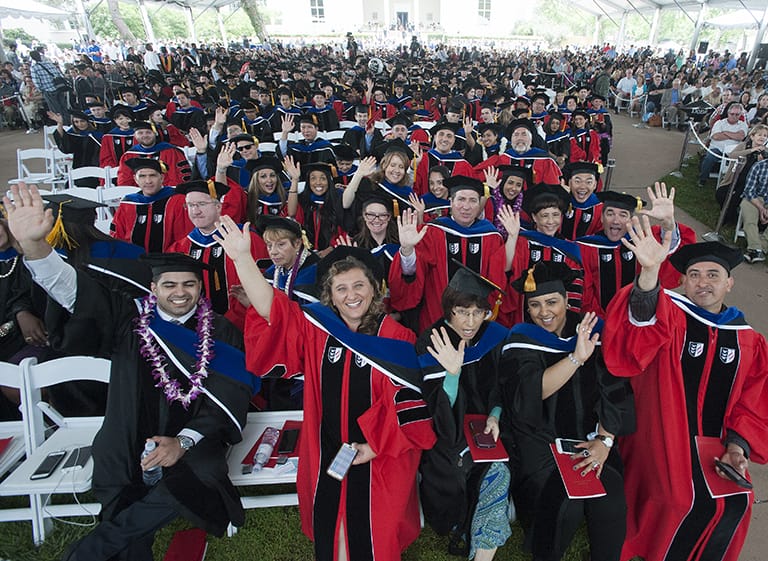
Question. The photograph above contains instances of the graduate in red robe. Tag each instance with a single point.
(697, 369)
(204, 208)
(583, 215)
(118, 140)
(145, 145)
(443, 154)
(522, 153)
(608, 265)
(360, 388)
(153, 218)
(428, 258)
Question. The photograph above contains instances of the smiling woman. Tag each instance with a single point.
(361, 387)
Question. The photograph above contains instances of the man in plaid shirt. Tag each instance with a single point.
(43, 73)
(755, 212)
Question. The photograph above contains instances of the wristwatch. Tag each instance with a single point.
(605, 439)
(185, 442)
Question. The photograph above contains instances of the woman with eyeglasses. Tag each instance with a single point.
(460, 355)
(556, 385)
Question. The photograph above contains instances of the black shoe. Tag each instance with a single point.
(458, 544)
(754, 256)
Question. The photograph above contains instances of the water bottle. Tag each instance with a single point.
(264, 451)
(152, 475)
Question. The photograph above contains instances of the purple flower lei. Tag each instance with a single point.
(152, 353)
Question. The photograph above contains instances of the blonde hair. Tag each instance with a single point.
(385, 161)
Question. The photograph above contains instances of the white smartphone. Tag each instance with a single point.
(342, 462)
(568, 446)
(48, 465)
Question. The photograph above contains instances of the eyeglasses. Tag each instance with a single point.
(372, 217)
(474, 314)
(245, 147)
(201, 206)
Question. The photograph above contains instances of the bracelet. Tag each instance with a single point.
(574, 360)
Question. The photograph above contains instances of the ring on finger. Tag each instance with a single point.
(585, 453)
(595, 465)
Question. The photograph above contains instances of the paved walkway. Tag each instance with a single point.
(642, 156)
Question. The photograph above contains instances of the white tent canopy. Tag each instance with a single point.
(30, 9)
(737, 20)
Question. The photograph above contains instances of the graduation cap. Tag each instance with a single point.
(266, 222)
(614, 199)
(514, 170)
(462, 182)
(323, 167)
(95, 104)
(173, 263)
(523, 99)
(580, 113)
(717, 252)
(482, 127)
(545, 194)
(505, 104)
(376, 197)
(137, 164)
(141, 125)
(400, 118)
(344, 153)
(244, 138)
(524, 123)
(360, 108)
(128, 89)
(574, 168)
(467, 281)
(445, 125)
(595, 96)
(67, 208)
(540, 95)
(545, 277)
(121, 110)
(342, 252)
(76, 114)
(213, 188)
(573, 97)
(310, 118)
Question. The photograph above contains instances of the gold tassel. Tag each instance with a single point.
(599, 168)
(153, 127)
(3, 213)
(334, 171)
(486, 191)
(163, 166)
(570, 209)
(212, 189)
(496, 307)
(395, 208)
(639, 206)
(216, 283)
(305, 240)
(58, 237)
(384, 288)
(530, 283)
(272, 97)
(242, 125)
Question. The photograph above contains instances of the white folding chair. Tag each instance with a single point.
(10, 376)
(89, 172)
(334, 136)
(49, 143)
(343, 125)
(739, 231)
(267, 148)
(71, 433)
(23, 160)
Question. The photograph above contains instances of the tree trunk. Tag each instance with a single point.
(114, 11)
(257, 22)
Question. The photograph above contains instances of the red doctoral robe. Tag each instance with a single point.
(173, 157)
(479, 247)
(693, 373)
(453, 161)
(153, 223)
(347, 399)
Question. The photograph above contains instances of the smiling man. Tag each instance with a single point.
(191, 423)
(699, 370)
(442, 154)
(428, 259)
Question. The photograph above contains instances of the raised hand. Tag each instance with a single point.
(492, 177)
(345, 239)
(226, 155)
(236, 242)
(443, 351)
(468, 125)
(292, 167)
(418, 205)
(286, 125)
(418, 153)
(585, 340)
(198, 141)
(366, 167)
(510, 220)
(220, 116)
(409, 234)
(648, 251)
(55, 117)
(662, 205)
(28, 220)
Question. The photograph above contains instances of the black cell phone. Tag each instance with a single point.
(288, 441)
(48, 465)
(481, 439)
(77, 459)
(731, 473)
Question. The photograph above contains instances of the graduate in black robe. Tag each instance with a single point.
(460, 497)
(557, 386)
(191, 424)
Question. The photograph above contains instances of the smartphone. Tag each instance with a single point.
(77, 459)
(288, 441)
(481, 439)
(731, 473)
(568, 446)
(342, 462)
(48, 465)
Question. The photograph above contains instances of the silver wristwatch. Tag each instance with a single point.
(605, 439)
(185, 442)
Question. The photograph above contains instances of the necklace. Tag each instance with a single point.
(10, 271)
(300, 258)
(152, 353)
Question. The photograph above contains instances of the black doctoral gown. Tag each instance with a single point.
(451, 481)
(136, 410)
